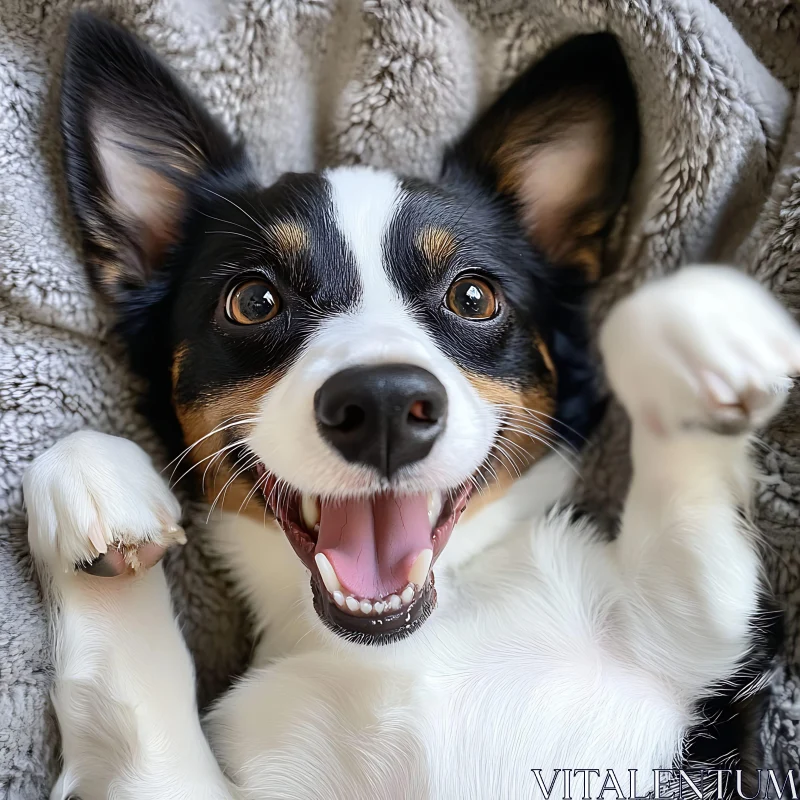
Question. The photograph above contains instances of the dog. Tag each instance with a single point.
(379, 382)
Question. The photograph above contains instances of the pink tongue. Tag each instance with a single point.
(372, 543)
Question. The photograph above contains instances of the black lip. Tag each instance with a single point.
(385, 629)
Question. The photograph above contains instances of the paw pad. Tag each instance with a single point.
(120, 558)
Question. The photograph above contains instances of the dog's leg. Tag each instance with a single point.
(700, 360)
(99, 518)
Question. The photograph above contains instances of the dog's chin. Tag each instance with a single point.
(370, 558)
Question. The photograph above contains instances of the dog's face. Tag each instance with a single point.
(351, 353)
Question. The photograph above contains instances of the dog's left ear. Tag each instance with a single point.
(561, 144)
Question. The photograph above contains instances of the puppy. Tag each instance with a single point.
(378, 382)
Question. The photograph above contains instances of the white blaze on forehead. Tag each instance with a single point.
(380, 328)
(365, 202)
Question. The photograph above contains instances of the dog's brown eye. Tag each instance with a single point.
(472, 298)
(252, 302)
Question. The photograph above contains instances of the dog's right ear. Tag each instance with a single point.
(136, 145)
(561, 144)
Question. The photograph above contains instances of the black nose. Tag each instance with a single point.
(384, 416)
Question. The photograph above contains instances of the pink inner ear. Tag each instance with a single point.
(147, 200)
(559, 178)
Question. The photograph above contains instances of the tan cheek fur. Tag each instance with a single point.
(520, 449)
(199, 418)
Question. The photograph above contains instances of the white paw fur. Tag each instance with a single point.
(124, 691)
(91, 494)
(706, 347)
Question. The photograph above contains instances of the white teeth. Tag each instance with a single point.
(434, 507)
(352, 603)
(309, 510)
(419, 570)
(327, 573)
(367, 608)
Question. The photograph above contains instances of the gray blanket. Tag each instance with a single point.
(388, 83)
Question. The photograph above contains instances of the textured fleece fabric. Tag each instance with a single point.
(389, 83)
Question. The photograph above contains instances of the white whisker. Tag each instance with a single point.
(221, 494)
(196, 464)
(252, 493)
(249, 216)
(223, 426)
(219, 458)
(538, 425)
(532, 412)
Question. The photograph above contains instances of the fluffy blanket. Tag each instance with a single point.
(388, 83)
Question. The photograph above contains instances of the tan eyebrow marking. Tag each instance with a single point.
(291, 237)
(436, 244)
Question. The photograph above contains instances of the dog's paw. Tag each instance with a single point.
(95, 502)
(705, 348)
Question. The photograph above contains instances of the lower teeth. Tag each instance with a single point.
(370, 608)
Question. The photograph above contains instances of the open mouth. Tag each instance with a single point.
(370, 557)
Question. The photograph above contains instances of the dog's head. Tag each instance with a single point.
(351, 352)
